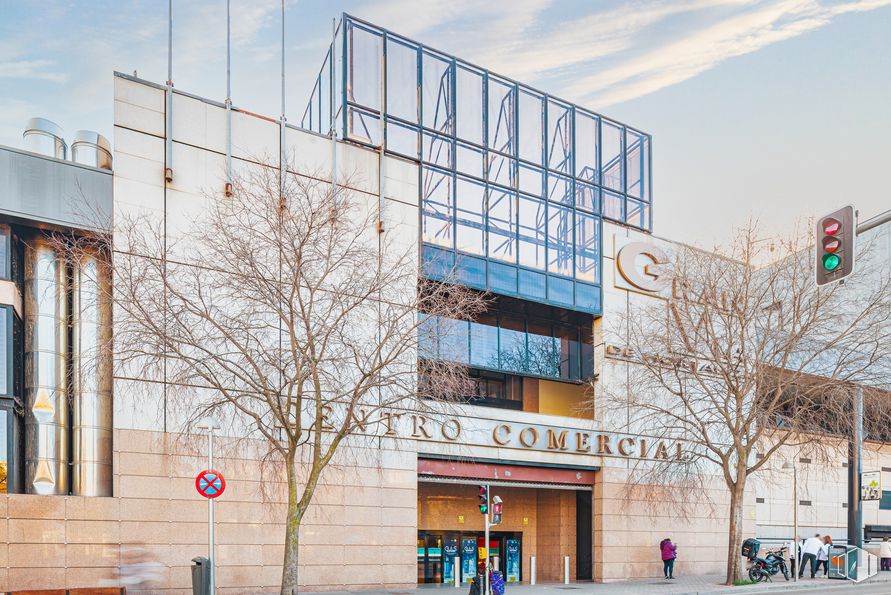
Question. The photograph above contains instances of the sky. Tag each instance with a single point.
(776, 110)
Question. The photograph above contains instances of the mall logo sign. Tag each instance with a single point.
(638, 265)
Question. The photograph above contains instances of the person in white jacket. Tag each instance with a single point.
(823, 555)
(885, 553)
(809, 552)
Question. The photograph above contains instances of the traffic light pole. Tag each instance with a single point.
(486, 565)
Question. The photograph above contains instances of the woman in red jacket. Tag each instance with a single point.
(669, 553)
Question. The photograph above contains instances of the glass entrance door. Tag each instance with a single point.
(430, 558)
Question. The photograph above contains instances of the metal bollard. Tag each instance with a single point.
(496, 563)
(531, 570)
(565, 570)
(457, 573)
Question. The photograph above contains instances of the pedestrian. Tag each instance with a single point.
(792, 548)
(669, 553)
(823, 555)
(809, 552)
(885, 553)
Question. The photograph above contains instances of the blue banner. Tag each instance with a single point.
(468, 560)
(512, 563)
(450, 549)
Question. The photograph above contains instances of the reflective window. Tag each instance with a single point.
(613, 206)
(364, 67)
(502, 225)
(470, 105)
(437, 150)
(469, 160)
(559, 189)
(542, 358)
(613, 159)
(531, 134)
(5, 252)
(586, 147)
(586, 197)
(402, 80)
(501, 170)
(6, 364)
(364, 126)
(484, 342)
(438, 214)
(531, 180)
(587, 255)
(437, 93)
(470, 208)
(559, 240)
(402, 140)
(559, 137)
(634, 163)
(512, 343)
(637, 213)
(532, 230)
(501, 116)
(568, 349)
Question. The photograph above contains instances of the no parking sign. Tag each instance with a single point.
(210, 483)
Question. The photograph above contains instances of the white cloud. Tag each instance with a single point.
(35, 70)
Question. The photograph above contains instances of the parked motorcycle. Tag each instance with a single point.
(768, 566)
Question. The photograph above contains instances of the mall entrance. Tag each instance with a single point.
(437, 551)
(547, 520)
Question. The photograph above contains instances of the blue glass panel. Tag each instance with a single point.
(532, 285)
(586, 147)
(613, 206)
(454, 336)
(484, 343)
(531, 180)
(501, 116)
(470, 206)
(647, 182)
(559, 189)
(587, 197)
(532, 230)
(502, 278)
(587, 348)
(363, 126)
(436, 263)
(402, 140)
(437, 150)
(587, 297)
(587, 247)
(560, 290)
(469, 115)
(469, 160)
(531, 127)
(560, 240)
(543, 359)
(613, 158)
(437, 93)
(402, 80)
(559, 137)
(437, 208)
(637, 213)
(471, 271)
(634, 162)
(567, 339)
(512, 343)
(502, 170)
(428, 347)
(502, 225)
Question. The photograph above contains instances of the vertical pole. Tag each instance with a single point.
(168, 169)
(794, 551)
(486, 565)
(283, 167)
(565, 570)
(531, 570)
(456, 564)
(228, 96)
(210, 535)
(332, 90)
(855, 452)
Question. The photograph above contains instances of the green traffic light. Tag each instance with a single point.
(831, 262)
(484, 509)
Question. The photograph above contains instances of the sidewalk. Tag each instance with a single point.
(691, 585)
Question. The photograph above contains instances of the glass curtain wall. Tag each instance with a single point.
(514, 182)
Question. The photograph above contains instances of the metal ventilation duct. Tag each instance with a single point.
(91, 395)
(91, 148)
(46, 386)
(45, 137)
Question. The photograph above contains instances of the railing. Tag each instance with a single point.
(852, 563)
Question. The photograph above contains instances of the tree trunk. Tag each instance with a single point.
(292, 536)
(734, 537)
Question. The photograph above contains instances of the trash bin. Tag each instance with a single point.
(200, 576)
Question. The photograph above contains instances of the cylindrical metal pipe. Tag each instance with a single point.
(45, 137)
(565, 570)
(456, 565)
(91, 394)
(46, 381)
(531, 570)
(91, 148)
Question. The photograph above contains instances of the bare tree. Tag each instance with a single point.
(741, 359)
(293, 311)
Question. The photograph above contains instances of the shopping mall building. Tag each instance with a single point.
(546, 205)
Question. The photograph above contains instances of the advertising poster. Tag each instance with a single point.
(871, 485)
(450, 550)
(512, 561)
(468, 559)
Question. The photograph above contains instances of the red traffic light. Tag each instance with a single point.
(830, 226)
(496, 508)
(831, 244)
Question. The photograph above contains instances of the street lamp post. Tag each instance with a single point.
(210, 425)
(792, 466)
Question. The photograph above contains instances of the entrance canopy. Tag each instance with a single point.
(505, 474)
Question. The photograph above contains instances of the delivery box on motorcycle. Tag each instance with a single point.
(750, 547)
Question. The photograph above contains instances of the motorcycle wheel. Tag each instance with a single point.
(786, 574)
(755, 575)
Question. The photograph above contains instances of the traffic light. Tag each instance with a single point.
(835, 246)
(484, 499)
(496, 510)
